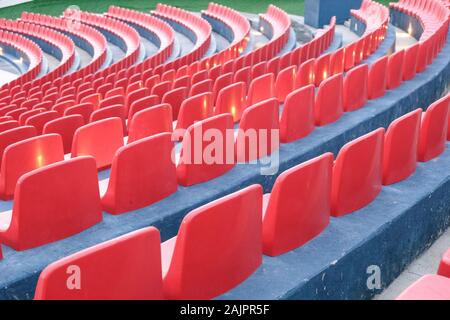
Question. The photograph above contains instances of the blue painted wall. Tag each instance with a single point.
(319, 12)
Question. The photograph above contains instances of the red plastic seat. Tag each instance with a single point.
(141, 250)
(231, 99)
(410, 65)
(377, 82)
(49, 204)
(112, 101)
(83, 109)
(258, 131)
(285, 82)
(297, 118)
(400, 148)
(201, 87)
(433, 131)
(133, 183)
(322, 69)
(150, 121)
(194, 168)
(24, 116)
(221, 82)
(110, 112)
(25, 156)
(395, 69)
(139, 95)
(337, 62)
(161, 88)
(14, 115)
(357, 173)
(100, 139)
(355, 88)
(261, 88)
(8, 125)
(298, 209)
(14, 135)
(142, 104)
(305, 74)
(329, 101)
(63, 106)
(444, 265)
(175, 98)
(94, 99)
(194, 109)
(39, 120)
(230, 226)
(65, 127)
(429, 287)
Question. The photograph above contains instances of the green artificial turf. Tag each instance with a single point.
(56, 7)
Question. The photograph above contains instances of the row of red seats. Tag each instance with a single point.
(280, 25)
(376, 19)
(434, 17)
(198, 26)
(283, 220)
(27, 48)
(431, 287)
(95, 39)
(128, 35)
(53, 38)
(240, 27)
(156, 26)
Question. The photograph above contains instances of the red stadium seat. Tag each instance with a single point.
(49, 204)
(138, 95)
(63, 106)
(95, 99)
(100, 139)
(24, 116)
(429, 287)
(297, 118)
(298, 209)
(221, 82)
(239, 245)
(357, 173)
(355, 88)
(285, 82)
(39, 120)
(261, 88)
(112, 101)
(444, 265)
(110, 112)
(175, 98)
(142, 104)
(25, 156)
(231, 99)
(337, 62)
(15, 113)
(433, 131)
(201, 87)
(133, 183)
(400, 148)
(14, 135)
(395, 69)
(329, 101)
(377, 78)
(6, 118)
(305, 74)
(194, 168)
(83, 109)
(322, 69)
(410, 65)
(140, 249)
(8, 125)
(194, 109)
(150, 121)
(161, 88)
(258, 136)
(65, 127)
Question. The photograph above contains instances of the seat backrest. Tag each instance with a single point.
(100, 139)
(231, 99)
(400, 147)
(193, 167)
(39, 120)
(224, 238)
(140, 249)
(433, 131)
(357, 173)
(8, 125)
(261, 88)
(377, 78)
(285, 82)
(25, 156)
(49, 204)
(355, 88)
(258, 134)
(329, 100)
(133, 183)
(297, 119)
(175, 98)
(195, 108)
(65, 127)
(299, 206)
(150, 121)
(84, 109)
(395, 69)
(15, 135)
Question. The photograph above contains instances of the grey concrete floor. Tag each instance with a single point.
(427, 263)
